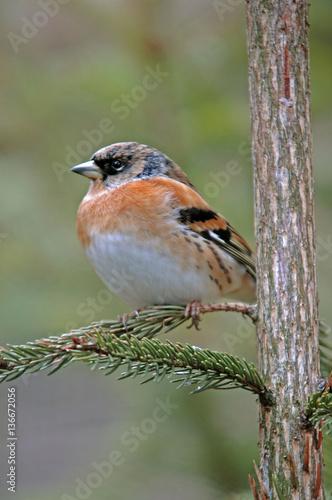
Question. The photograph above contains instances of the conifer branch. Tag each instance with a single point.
(319, 410)
(161, 319)
(186, 364)
(104, 346)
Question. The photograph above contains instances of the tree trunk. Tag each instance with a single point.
(287, 328)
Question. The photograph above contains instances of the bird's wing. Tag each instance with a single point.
(217, 229)
(194, 213)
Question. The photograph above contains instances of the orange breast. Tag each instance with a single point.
(135, 207)
(141, 206)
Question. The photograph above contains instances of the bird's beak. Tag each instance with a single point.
(89, 169)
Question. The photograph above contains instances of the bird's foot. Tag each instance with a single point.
(192, 311)
(125, 317)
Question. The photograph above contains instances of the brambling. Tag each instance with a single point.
(143, 218)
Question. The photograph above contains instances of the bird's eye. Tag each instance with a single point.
(117, 165)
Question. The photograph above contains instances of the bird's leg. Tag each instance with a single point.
(192, 311)
(126, 316)
(124, 320)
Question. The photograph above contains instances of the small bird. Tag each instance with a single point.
(151, 236)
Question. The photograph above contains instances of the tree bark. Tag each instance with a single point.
(287, 327)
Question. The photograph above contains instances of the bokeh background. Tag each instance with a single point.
(66, 68)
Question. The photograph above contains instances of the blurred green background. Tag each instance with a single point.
(66, 67)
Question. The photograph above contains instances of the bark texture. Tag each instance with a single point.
(287, 328)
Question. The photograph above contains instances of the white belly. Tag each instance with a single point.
(142, 274)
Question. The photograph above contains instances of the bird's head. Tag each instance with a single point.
(118, 163)
(121, 162)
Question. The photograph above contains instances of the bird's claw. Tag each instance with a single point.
(192, 311)
(125, 318)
